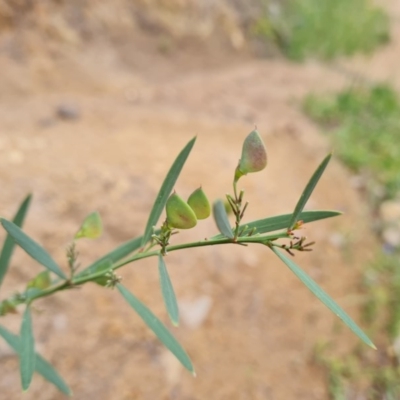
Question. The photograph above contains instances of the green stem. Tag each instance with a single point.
(209, 242)
(263, 239)
(235, 190)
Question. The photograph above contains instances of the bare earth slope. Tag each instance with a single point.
(256, 340)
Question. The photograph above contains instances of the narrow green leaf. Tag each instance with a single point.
(165, 190)
(278, 222)
(8, 247)
(49, 373)
(36, 251)
(168, 292)
(308, 190)
(282, 221)
(324, 297)
(26, 350)
(158, 328)
(115, 255)
(12, 340)
(221, 219)
(41, 365)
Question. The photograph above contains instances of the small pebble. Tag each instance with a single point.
(390, 211)
(195, 312)
(337, 240)
(68, 111)
(60, 322)
(391, 236)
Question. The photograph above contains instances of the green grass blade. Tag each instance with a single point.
(8, 247)
(221, 219)
(168, 292)
(41, 365)
(308, 190)
(165, 190)
(278, 222)
(36, 251)
(26, 350)
(158, 328)
(324, 297)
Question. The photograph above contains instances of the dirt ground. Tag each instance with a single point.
(130, 115)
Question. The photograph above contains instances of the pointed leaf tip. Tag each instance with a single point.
(312, 183)
(168, 292)
(36, 251)
(165, 190)
(324, 297)
(9, 244)
(41, 365)
(157, 327)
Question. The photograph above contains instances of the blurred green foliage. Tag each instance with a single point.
(349, 379)
(324, 29)
(365, 123)
(382, 284)
(365, 126)
(362, 374)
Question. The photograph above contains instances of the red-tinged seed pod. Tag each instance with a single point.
(179, 213)
(254, 155)
(199, 203)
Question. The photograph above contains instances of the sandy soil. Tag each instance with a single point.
(135, 114)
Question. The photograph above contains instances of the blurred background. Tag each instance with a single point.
(96, 100)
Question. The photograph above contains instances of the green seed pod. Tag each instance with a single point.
(179, 213)
(254, 155)
(199, 203)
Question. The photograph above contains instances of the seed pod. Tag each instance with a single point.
(199, 203)
(179, 213)
(254, 155)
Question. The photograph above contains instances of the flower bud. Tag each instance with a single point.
(254, 155)
(179, 213)
(199, 204)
